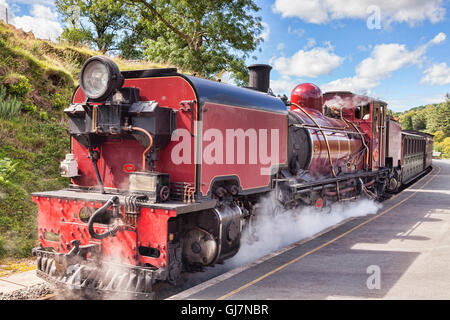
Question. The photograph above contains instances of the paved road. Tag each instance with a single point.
(402, 252)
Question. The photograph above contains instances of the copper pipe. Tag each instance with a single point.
(333, 193)
(323, 134)
(149, 136)
(342, 117)
(325, 128)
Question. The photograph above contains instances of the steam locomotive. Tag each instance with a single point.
(166, 170)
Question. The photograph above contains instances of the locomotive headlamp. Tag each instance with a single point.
(99, 78)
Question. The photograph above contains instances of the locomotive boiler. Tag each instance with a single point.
(166, 170)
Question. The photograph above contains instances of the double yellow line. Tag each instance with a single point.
(327, 243)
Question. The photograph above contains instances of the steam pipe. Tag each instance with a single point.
(150, 139)
(96, 214)
(94, 156)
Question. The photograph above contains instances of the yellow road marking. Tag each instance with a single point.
(327, 243)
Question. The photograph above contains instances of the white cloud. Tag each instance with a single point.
(310, 11)
(283, 86)
(48, 3)
(42, 22)
(266, 31)
(440, 37)
(313, 63)
(386, 58)
(382, 62)
(40, 11)
(438, 73)
(297, 32)
(311, 42)
(324, 11)
(364, 48)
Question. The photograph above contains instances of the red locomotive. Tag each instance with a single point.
(166, 170)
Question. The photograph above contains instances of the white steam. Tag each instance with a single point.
(289, 226)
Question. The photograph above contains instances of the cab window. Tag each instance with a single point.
(362, 112)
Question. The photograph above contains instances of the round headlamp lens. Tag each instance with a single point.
(96, 79)
(100, 78)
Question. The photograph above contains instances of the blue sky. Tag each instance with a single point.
(394, 50)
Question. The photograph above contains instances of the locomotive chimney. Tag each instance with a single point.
(260, 77)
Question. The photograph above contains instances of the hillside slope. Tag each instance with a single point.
(37, 79)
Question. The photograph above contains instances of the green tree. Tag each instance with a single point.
(406, 122)
(204, 36)
(77, 37)
(438, 136)
(444, 147)
(419, 121)
(439, 119)
(104, 19)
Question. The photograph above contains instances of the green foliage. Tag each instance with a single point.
(18, 85)
(203, 37)
(419, 122)
(7, 168)
(9, 106)
(407, 123)
(105, 17)
(3, 250)
(60, 101)
(432, 118)
(77, 37)
(444, 147)
(43, 115)
(29, 108)
(439, 119)
(439, 136)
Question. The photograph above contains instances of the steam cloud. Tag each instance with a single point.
(289, 226)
